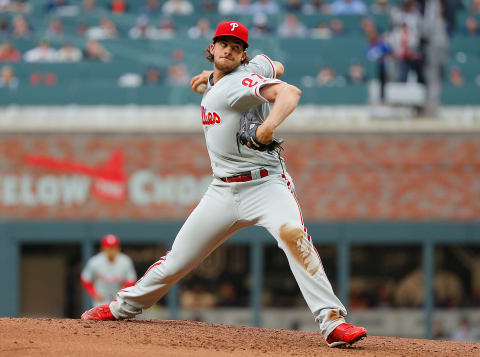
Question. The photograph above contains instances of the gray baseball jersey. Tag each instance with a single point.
(227, 206)
(109, 277)
(221, 118)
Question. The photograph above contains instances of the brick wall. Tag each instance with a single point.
(337, 176)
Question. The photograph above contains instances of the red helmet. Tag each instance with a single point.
(110, 240)
(232, 28)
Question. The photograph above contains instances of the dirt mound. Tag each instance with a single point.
(65, 337)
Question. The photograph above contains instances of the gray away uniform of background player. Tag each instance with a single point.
(226, 207)
(108, 277)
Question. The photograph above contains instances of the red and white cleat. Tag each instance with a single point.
(99, 313)
(346, 334)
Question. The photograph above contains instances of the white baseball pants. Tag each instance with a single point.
(225, 208)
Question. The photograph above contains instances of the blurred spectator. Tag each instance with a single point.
(409, 291)
(475, 7)
(369, 28)
(142, 29)
(21, 29)
(225, 7)
(197, 297)
(36, 79)
(177, 7)
(7, 78)
(105, 30)
(95, 51)
(61, 8)
(201, 29)
(337, 27)
(471, 27)
(55, 30)
(321, 32)
(349, 7)
(243, 7)
(380, 7)
(178, 73)
(292, 28)
(165, 30)
(82, 29)
(447, 289)
(471, 261)
(153, 76)
(8, 53)
(464, 332)
(328, 77)
(227, 295)
(118, 7)
(260, 26)
(384, 293)
(316, 7)
(4, 28)
(407, 14)
(89, 6)
(356, 74)
(209, 6)
(293, 5)
(42, 53)
(406, 49)
(21, 6)
(378, 51)
(50, 79)
(266, 7)
(54, 5)
(6, 5)
(151, 8)
(68, 53)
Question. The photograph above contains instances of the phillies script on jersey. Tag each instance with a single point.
(210, 118)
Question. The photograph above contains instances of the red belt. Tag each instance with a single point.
(244, 176)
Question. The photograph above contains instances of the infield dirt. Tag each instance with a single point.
(67, 337)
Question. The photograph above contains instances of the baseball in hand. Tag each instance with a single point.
(201, 88)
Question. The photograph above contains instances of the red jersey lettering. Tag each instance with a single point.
(248, 82)
(210, 118)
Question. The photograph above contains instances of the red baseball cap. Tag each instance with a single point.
(110, 240)
(232, 28)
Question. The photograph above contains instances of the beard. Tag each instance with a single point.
(225, 66)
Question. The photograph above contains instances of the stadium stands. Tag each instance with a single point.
(95, 82)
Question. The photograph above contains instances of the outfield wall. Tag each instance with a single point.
(338, 176)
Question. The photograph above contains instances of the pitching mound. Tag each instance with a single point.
(62, 337)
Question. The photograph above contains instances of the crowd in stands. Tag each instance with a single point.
(400, 282)
(401, 41)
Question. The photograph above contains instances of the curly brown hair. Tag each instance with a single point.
(209, 56)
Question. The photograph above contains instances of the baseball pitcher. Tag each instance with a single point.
(250, 186)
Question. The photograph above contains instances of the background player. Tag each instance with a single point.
(250, 187)
(107, 272)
